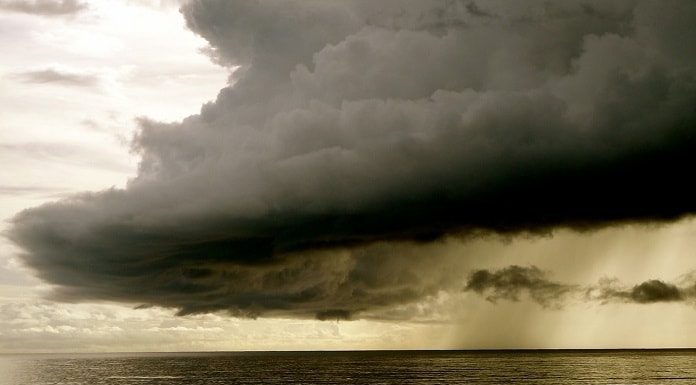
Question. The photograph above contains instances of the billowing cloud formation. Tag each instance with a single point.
(44, 7)
(511, 282)
(508, 283)
(358, 122)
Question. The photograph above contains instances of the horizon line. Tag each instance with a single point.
(481, 350)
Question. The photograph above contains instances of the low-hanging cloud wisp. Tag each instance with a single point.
(513, 282)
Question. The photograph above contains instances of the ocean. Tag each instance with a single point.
(363, 367)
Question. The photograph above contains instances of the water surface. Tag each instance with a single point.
(381, 367)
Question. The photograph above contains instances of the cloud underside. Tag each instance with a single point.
(44, 7)
(355, 129)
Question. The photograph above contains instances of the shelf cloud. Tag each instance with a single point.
(351, 128)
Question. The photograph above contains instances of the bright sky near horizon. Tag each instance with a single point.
(79, 80)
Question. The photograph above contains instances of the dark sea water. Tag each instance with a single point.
(384, 367)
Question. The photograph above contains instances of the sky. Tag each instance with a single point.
(292, 175)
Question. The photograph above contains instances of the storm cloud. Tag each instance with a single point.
(353, 129)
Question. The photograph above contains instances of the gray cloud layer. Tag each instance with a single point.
(511, 282)
(44, 7)
(351, 123)
(51, 75)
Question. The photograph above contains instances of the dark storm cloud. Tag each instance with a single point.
(357, 123)
(510, 282)
(53, 76)
(44, 7)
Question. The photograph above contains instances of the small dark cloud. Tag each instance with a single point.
(475, 10)
(512, 281)
(44, 7)
(656, 291)
(651, 291)
(54, 76)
